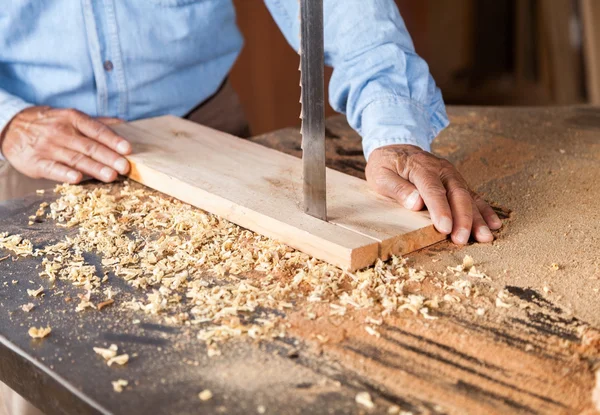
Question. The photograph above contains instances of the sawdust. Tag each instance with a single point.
(596, 391)
(514, 159)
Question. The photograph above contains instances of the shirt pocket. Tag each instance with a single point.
(176, 3)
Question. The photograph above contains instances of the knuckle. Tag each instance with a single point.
(435, 191)
(89, 147)
(47, 168)
(445, 164)
(72, 113)
(399, 189)
(420, 163)
(459, 192)
(423, 158)
(75, 159)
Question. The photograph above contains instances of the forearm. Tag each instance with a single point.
(379, 82)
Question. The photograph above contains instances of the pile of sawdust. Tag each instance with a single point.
(199, 270)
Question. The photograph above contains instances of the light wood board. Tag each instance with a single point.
(261, 189)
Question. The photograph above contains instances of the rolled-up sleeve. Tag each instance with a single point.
(379, 82)
(10, 106)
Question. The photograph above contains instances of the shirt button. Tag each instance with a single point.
(108, 66)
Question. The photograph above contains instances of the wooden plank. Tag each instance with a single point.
(260, 189)
(590, 15)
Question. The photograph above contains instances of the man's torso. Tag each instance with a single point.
(129, 59)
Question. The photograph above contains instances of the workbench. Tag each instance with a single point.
(539, 168)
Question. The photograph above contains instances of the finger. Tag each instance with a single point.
(461, 204)
(110, 120)
(53, 170)
(96, 151)
(85, 164)
(99, 132)
(433, 192)
(388, 183)
(480, 230)
(490, 217)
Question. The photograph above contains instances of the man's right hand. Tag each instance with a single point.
(63, 145)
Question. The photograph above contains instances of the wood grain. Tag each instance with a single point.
(260, 189)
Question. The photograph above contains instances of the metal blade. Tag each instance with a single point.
(313, 107)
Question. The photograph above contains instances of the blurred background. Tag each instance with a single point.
(480, 52)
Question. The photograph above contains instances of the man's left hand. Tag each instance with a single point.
(416, 178)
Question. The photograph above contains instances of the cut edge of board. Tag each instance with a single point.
(348, 258)
(410, 242)
(405, 243)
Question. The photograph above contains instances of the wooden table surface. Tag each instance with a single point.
(541, 357)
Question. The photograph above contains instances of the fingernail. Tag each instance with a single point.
(121, 165)
(72, 176)
(485, 231)
(462, 236)
(496, 222)
(445, 225)
(123, 147)
(106, 172)
(411, 200)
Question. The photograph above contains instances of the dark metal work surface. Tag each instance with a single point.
(540, 362)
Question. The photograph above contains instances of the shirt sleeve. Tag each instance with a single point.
(10, 106)
(379, 82)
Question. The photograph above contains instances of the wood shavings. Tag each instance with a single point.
(451, 298)
(40, 191)
(500, 303)
(205, 395)
(85, 302)
(425, 313)
(39, 333)
(192, 268)
(467, 263)
(372, 331)
(337, 310)
(107, 354)
(371, 320)
(35, 293)
(364, 399)
(119, 385)
(474, 272)
(16, 244)
(322, 338)
(27, 307)
(120, 360)
(103, 304)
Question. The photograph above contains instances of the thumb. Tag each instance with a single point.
(390, 184)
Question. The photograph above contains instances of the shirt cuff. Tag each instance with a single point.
(397, 120)
(9, 107)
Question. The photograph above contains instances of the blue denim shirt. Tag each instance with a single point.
(141, 58)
